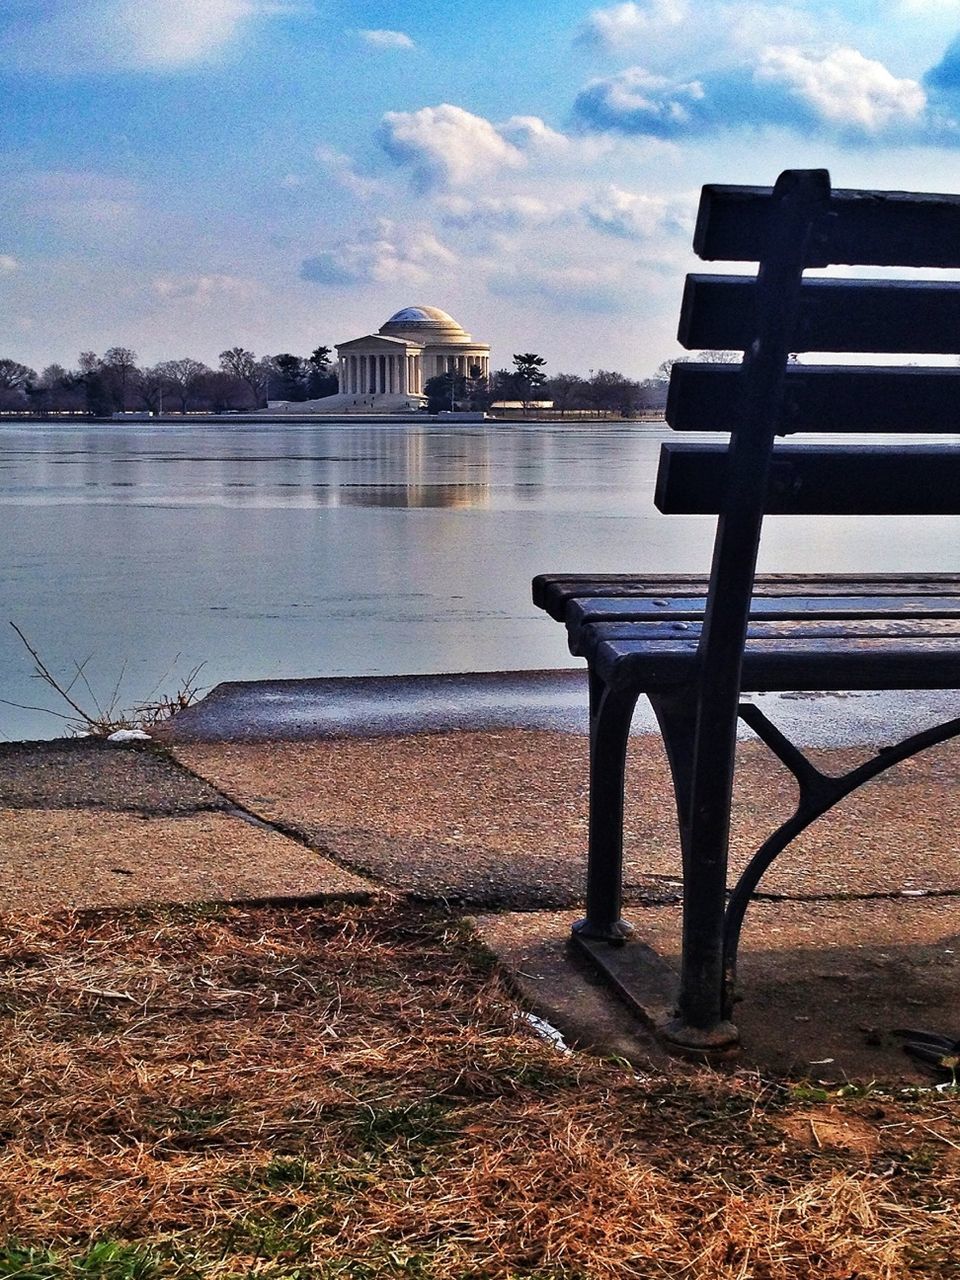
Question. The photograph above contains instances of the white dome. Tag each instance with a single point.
(424, 324)
(423, 315)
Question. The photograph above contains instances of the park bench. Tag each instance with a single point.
(693, 645)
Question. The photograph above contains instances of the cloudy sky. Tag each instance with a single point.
(184, 175)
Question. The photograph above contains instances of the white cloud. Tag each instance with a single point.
(502, 213)
(530, 133)
(341, 168)
(628, 28)
(110, 35)
(746, 27)
(673, 35)
(844, 88)
(389, 254)
(636, 216)
(638, 101)
(446, 145)
(201, 288)
(8, 263)
(382, 39)
(837, 92)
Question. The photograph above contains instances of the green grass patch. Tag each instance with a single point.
(414, 1125)
(104, 1260)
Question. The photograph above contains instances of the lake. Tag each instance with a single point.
(275, 550)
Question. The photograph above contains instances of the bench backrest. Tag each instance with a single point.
(801, 223)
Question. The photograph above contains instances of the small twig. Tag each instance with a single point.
(26, 706)
(46, 675)
(80, 668)
(942, 1137)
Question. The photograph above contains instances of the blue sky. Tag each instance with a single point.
(180, 176)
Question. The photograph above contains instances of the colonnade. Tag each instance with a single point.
(383, 374)
(463, 365)
(370, 374)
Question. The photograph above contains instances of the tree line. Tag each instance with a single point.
(115, 383)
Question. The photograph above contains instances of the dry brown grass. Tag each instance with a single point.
(349, 1093)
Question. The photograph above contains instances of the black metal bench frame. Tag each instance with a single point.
(694, 645)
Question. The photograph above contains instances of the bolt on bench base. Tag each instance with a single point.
(649, 986)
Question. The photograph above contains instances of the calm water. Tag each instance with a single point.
(271, 550)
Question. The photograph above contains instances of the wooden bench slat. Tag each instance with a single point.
(780, 665)
(582, 612)
(769, 607)
(835, 315)
(851, 629)
(814, 480)
(869, 228)
(917, 663)
(838, 398)
(553, 592)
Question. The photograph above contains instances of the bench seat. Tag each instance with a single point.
(805, 632)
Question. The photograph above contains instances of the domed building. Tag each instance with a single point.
(390, 368)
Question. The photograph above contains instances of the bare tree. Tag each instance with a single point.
(120, 364)
(244, 365)
(183, 377)
(611, 392)
(15, 376)
(566, 390)
(16, 380)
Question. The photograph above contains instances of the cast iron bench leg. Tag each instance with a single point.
(700, 1022)
(611, 711)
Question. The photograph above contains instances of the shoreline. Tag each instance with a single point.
(546, 700)
(265, 417)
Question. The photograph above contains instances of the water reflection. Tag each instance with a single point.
(415, 495)
(251, 466)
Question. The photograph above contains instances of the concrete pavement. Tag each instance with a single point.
(857, 932)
